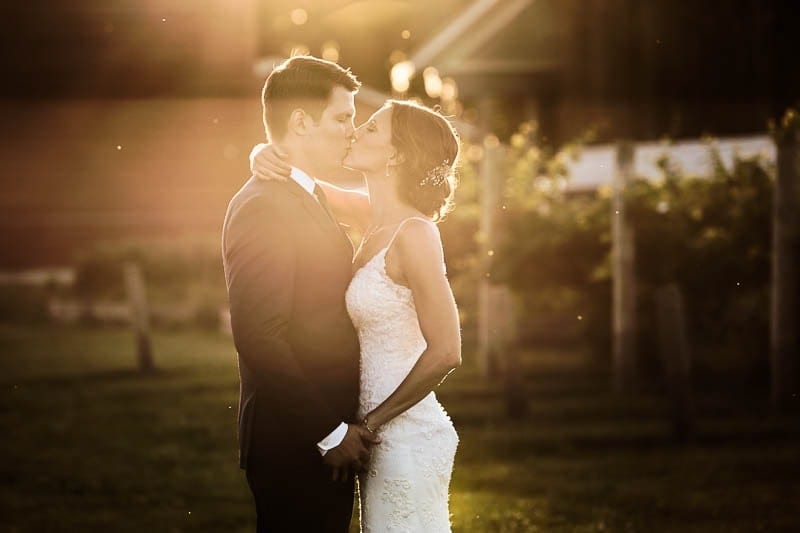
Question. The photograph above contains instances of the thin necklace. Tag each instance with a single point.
(376, 228)
(369, 235)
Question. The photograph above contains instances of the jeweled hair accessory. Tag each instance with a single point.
(437, 175)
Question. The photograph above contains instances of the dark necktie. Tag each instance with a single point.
(323, 201)
(319, 194)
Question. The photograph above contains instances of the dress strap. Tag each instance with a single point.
(400, 226)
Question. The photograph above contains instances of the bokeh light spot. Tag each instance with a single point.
(491, 141)
(433, 83)
(401, 76)
(449, 89)
(299, 16)
(330, 51)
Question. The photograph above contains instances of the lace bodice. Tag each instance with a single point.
(406, 486)
(384, 315)
(385, 318)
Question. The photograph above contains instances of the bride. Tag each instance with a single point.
(402, 307)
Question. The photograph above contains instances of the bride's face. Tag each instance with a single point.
(372, 147)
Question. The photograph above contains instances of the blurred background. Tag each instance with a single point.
(625, 253)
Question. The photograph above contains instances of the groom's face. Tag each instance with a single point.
(329, 138)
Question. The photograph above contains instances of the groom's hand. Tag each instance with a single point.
(353, 452)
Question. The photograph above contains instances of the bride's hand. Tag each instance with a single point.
(267, 163)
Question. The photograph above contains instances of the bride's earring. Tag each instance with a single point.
(393, 161)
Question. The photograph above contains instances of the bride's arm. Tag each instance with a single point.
(419, 251)
(349, 206)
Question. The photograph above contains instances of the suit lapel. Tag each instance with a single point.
(324, 218)
(342, 233)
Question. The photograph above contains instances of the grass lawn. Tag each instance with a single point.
(88, 445)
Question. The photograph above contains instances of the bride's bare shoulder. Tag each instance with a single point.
(419, 242)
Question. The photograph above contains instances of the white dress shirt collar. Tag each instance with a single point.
(304, 180)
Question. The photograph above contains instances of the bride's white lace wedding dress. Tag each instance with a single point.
(406, 486)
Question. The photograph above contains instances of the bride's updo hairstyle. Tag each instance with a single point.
(427, 146)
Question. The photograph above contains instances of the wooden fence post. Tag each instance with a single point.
(785, 349)
(504, 349)
(140, 317)
(623, 276)
(491, 177)
(676, 358)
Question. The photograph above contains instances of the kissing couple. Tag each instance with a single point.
(339, 352)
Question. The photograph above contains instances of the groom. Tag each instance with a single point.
(287, 266)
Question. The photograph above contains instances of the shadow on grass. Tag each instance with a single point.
(635, 442)
(706, 440)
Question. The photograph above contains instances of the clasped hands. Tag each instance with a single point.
(353, 453)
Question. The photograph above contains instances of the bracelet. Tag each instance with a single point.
(365, 423)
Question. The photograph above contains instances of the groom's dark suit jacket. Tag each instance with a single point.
(287, 267)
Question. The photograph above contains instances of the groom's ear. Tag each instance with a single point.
(298, 121)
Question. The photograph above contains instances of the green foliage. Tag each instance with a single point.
(710, 234)
(461, 242)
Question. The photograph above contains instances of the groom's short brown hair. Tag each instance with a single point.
(301, 81)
